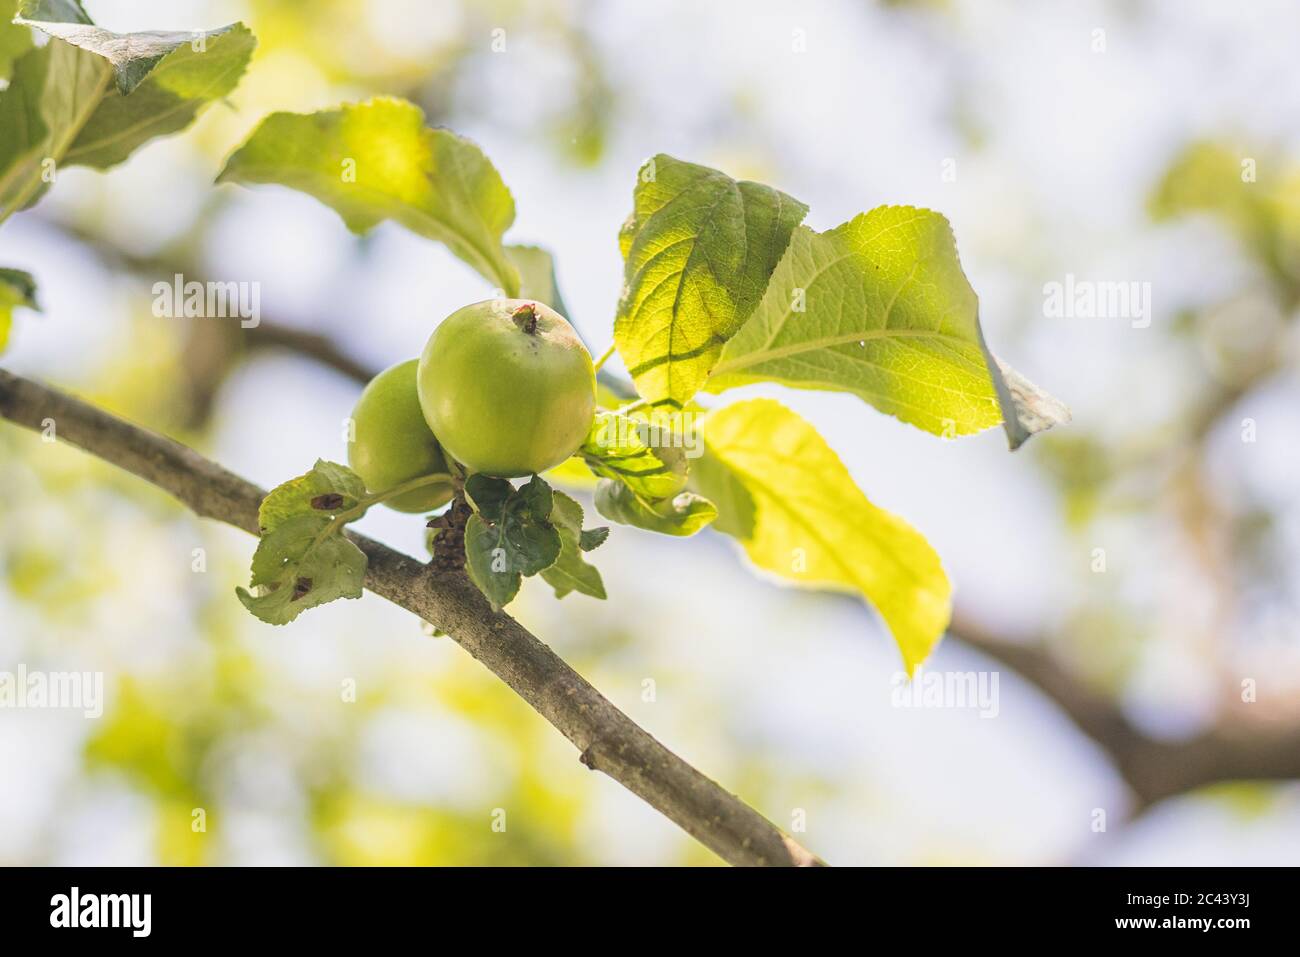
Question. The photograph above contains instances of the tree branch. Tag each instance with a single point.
(607, 739)
(1154, 769)
(1236, 749)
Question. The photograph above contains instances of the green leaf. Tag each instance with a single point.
(1208, 177)
(785, 495)
(535, 500)
(329, 488)
(55, 11)
(681, 515)
(571, 572)
(133, 57)
(90, 97)
(164, 100)
(303, 559)
(642, 461)
(537, 276)
(17, 288)
(488, 495)
(15, 39)
(51, 95)
(592, 538)
(510, 536)
(617, 448)
(698, 250)
(377, 160)
(486, 563)
(333, 569)
(880, 307)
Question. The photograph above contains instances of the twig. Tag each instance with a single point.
(607, 739)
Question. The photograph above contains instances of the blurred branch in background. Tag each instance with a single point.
(608, 740)
(1153, 768)
(1234, 749)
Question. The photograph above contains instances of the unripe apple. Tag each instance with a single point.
(392, 442)
(508, 387)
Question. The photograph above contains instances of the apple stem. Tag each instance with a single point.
(525, 317)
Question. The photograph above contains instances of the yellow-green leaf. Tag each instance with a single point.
(378, 160)
(880, 307)
(15, 39)
(537, 276)
(303, 559)
(618, 447)
(681, 515)
(17, 288)
(89, 97)
(699, 248)
(785, 495)
(162, 97)
(1263, 209)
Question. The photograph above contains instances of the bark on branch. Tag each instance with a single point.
(607, 739)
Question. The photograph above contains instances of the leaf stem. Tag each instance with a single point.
(631, 406)
(433, 478)
(363, 504)
(604, 357)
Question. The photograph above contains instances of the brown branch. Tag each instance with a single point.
(1154, 769)
(607, 739)
(1235, 749)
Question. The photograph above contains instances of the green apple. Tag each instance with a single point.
(508, 387)
(392, 444)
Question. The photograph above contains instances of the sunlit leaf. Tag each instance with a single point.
(616, 448)
(785, 495)
(376, 161)
(537, 276)
(698, 250)
(15, 39)
(680, 515)
(90, 97)
(880, 307)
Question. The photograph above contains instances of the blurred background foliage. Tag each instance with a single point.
(352, 737)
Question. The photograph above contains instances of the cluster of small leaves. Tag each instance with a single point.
(303, 559)
(723, 287)
(515, 533)
(91, 97)
(643, 484)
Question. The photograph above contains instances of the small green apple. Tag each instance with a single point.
(392, 443)
(508, 387)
